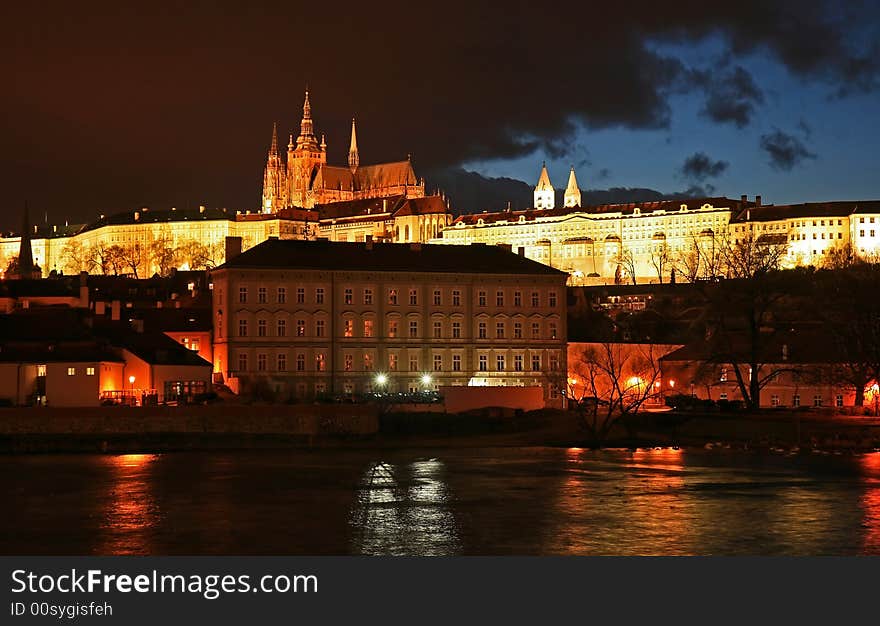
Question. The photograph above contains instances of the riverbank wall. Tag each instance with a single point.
(160, 428)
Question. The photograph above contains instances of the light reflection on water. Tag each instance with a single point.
(131, 513)
(403, 510)
(442, 502)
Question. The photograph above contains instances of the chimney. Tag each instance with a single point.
(505, 246)
(521, 250)
(757, 200)
(100, 308)
(744, 198)
(137, 216)
(368, 239)
(115, 307)
(233, 247)
(201, 208)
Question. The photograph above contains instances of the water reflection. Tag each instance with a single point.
(130, 514)
(404, 510)
(870, 464)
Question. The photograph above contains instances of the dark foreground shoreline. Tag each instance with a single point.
(246, 428)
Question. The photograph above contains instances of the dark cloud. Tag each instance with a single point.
(113, 105)
(731, 97)
(785, 151)
(699, 166)
(603, 174)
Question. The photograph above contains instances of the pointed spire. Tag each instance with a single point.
(572, 191)
(306, 128)
(544, 192)
(354, 158)
(323, 143)
(273, 149)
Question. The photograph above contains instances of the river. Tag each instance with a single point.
(492, 501)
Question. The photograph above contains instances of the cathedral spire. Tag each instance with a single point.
(572, 192)
(353, 158)
(544, 192)
(273, 149)
(306, 128)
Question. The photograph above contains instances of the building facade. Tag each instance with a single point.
(300, 319)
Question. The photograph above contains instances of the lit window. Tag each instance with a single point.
(838, 400)
(368, 328)
(320, 362)
(368, 362)
(392, 296)
(90, 371)
(392, 362)
(392, 328)
(300, 328)
(348, 328)
(71, 371)
(348, 362)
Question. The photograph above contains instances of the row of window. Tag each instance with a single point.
(775, 400)
(394, 297)
(501, 364)
(71, 371)
(393, 330)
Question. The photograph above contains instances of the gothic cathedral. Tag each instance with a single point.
(306, 180)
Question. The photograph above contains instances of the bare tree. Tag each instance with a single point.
(740, 314)
(163, 253)
(687, 262)
(660, 258)
(626, 262)
(610, 381)
(98, 257)
(132, 256)
(75, 258)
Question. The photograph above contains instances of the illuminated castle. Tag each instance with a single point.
(306, 180)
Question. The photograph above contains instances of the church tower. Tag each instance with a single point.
(303, 160)
(274, 178)
(572, 192)
(353, 159)
(544, 192)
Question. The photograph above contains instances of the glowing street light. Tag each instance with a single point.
(381, 380)
(426, 379)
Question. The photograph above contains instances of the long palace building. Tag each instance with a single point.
(607, 242)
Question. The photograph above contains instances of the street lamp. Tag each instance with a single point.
(426, 379)
(131, 385)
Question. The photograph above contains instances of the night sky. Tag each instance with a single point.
(110, 106)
